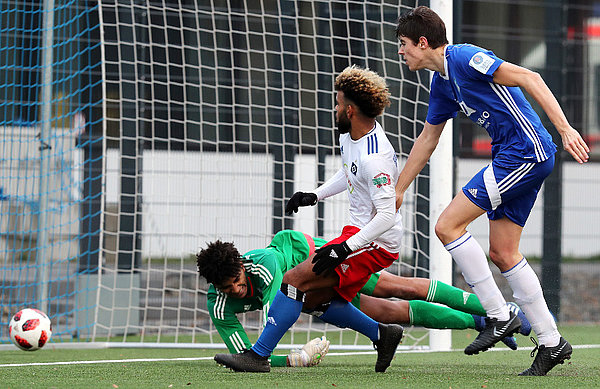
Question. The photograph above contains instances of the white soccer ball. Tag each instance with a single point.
(30, 329)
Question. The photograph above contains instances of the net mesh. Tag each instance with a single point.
(213, 113)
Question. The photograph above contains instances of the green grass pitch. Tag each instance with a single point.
(492, 369)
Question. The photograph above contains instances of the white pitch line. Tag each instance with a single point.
(579, 346)
(103, 361)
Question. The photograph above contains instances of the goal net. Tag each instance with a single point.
(212, 114)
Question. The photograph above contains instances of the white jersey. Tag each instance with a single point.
(370, 172)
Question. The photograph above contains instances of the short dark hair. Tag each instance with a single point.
(365, 88)
(422, 21)
(218, 262)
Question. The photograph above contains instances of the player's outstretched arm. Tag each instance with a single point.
(311, 353)
(419, 155)
(509, 74)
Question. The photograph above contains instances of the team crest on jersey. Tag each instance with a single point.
(353, 168)
(481, 62)
(382, 179)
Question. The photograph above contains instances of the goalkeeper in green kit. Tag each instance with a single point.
(249, 282)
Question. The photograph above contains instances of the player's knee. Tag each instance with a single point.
(443, 230)
(495, 255)
(504, 257)
(293, 277)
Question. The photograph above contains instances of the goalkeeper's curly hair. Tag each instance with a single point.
(365, 88)
(218, 262)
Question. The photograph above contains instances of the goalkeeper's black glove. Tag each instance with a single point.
(300, 199)
(328, 257)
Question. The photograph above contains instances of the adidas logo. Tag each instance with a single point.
(466, 297)
(333, 254)
(344, 267)
(473, 192)
(271, 320)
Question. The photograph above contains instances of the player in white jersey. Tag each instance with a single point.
(341, 267)
(369, 169)
(488, 90)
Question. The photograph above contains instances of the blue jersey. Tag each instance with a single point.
(516, 130)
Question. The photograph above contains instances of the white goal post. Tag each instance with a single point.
(441, 167)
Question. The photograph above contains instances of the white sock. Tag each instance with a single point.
(471, 259)
(527, 292)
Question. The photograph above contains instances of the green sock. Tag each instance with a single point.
(454, 298)
(278, 360)
(435, 316)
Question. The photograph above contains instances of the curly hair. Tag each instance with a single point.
(365, 88)
(218, 262)
(422, 21)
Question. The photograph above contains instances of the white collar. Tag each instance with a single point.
(445, 75)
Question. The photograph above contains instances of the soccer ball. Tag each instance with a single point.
(30, 329)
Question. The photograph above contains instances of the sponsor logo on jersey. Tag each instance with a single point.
(473, 192)
(353, 168)
(344, 267)
(382, 179)
(482, 121)
(481, 62)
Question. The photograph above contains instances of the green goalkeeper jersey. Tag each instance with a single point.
(264, 271)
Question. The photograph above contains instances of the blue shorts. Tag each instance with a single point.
(506, 188)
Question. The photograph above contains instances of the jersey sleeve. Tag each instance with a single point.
(442, 105)
(333, 186)
(269, 274)
(477, 63)
(226, 322)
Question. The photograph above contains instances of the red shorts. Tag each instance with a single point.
(355, 271)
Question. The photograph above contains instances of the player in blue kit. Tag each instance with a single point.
(487, 89)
